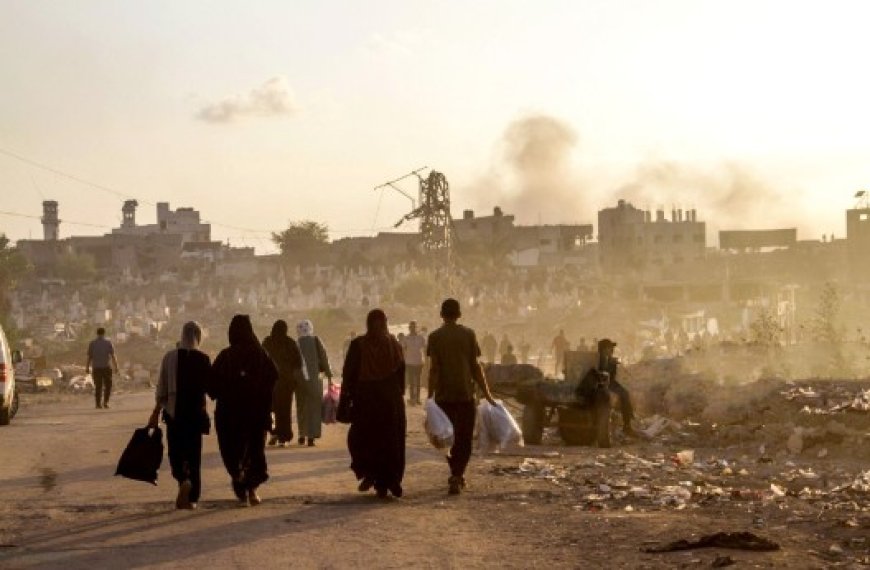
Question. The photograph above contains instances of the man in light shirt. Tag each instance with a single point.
(414, 347)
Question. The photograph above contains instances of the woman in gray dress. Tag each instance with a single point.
(309, 392)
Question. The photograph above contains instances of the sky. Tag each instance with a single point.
(265, 112)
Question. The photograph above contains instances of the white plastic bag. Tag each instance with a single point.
(498, 429)
(437, 425)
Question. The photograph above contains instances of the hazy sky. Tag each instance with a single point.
(261, 112)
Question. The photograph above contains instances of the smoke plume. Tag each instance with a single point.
(727, 195)
(535, 176)
(532, 176)
(274, 98)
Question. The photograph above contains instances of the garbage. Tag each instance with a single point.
(437, 425)
(722, 562)
(685, 457)
(732, 540)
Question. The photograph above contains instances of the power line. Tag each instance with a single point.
(67, 175)
(20, 215)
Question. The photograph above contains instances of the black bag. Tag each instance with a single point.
(142, 458)
(344, 413)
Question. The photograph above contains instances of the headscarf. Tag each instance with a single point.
(305, 328)
(279, 329)
(381, 354)
(241, 331)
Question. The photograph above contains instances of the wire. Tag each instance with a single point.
(19, 215)
(69, 176)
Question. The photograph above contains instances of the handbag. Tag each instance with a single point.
(143, 455)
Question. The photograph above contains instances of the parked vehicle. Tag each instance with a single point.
(8, 390)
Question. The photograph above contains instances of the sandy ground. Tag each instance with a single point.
(61, 507)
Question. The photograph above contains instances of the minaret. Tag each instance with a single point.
(129, 212)
(50, 222)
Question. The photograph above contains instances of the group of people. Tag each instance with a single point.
(253, 386)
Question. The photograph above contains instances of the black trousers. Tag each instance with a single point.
(185, 453)
(102, 384)
(462, 416)
(625, 407)
(242, 446)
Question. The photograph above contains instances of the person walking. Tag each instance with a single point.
(455, 369)
(101, 353)
(285, 354)
(309, 395)
(560, 346)
(373, 381)
(490, 346)
(414, 350)
(180, 395)
(242, 381)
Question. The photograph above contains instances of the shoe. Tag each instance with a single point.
(182, 501)
(106, 405)
(382, 492)
(301, 441)
(193, 506)
(310, 442)
(273, 441)
(396, 490)
(99, 405)
(454, 485)
(365, 485)
(253, 498)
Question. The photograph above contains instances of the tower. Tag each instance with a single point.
(129, 214)
(50, 221)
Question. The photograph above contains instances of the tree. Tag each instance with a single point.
(827, 330)
(13, 267)
(301, 239)
(416, 290)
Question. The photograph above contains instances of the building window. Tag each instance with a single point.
(865, 217)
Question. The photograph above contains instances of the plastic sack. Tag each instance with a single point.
(329, 406)
(497, 428)
(438, 426)
(142, 458)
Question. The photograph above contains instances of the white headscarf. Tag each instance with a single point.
(305, 328)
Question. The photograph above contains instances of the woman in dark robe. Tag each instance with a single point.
(242, 382)
(284, 352)
(374, 383)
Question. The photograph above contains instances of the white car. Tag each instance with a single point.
(8, 390)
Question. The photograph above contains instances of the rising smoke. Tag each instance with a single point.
(274, 98)
(534, 176)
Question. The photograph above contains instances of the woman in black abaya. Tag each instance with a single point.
(242, 383)
(373, 380)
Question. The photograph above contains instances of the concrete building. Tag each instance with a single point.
(858, 243)
(50, 221)
(184, 222)
(631, 241)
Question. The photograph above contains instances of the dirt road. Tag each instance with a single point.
(61, 507)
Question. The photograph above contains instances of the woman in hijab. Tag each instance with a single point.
(180, 395)
(284, 352)
(243, 378)
(309, 394)
(373, 380)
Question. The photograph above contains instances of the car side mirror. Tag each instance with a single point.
(16, 356)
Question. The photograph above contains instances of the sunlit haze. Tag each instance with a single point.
(259, 114)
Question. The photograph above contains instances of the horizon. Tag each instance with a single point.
(752, 115)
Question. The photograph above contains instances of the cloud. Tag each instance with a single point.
(274, 98)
